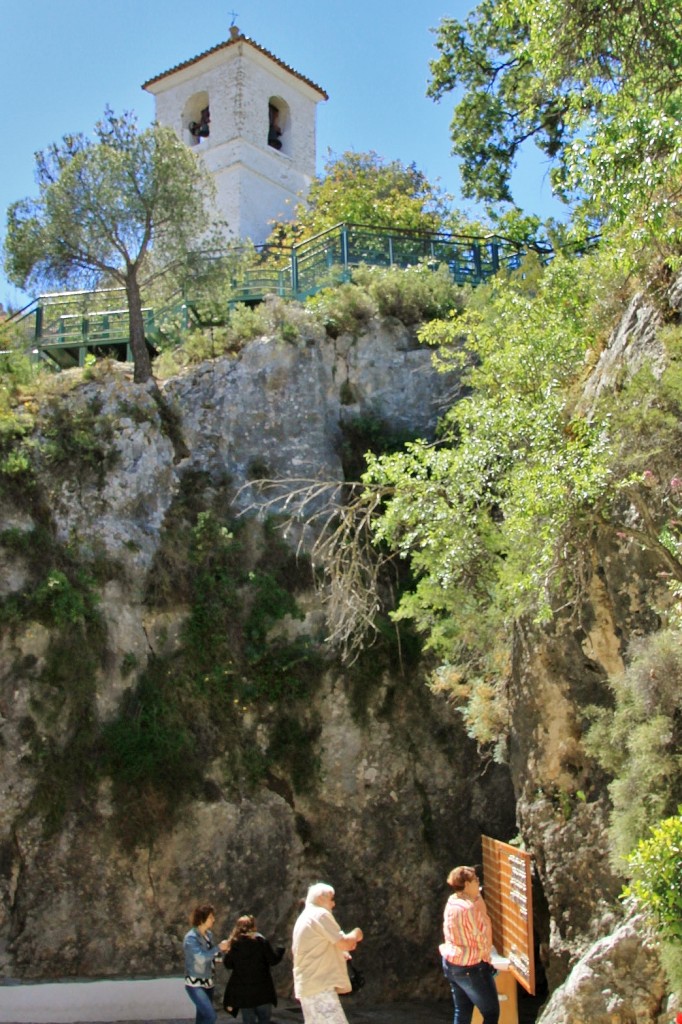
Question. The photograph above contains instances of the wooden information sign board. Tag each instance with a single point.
(509, 899)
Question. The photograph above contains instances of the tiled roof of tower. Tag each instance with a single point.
(236, 37)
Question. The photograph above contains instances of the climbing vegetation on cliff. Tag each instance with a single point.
(73, 440)
(638, 739)
(495, 516)
(498, 516)
(225, 705)
(235, 693)
(60, 594)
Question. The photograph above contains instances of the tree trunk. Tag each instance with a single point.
(138, 345)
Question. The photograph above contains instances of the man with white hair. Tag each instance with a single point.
(321, 951)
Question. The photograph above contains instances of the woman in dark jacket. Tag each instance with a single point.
(250, 988)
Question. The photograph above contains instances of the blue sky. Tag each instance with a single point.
(63, 61)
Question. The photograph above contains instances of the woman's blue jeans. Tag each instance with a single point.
(473, 987)
(257, 1014)
(203, 1000)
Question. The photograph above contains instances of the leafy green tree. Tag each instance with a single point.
(496, 515)
(363, 188)
(597, 87)
(122, 206)
(497, 518)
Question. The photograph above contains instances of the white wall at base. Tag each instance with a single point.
(254, 188)
(71, 1002)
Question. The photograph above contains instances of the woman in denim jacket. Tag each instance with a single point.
(200, 952)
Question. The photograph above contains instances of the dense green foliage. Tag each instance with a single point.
(597, 87)
(413, 295)
(656, 873)
(498, 517)
(116, 208)
(363, 188)
(656, 865)
(496, 514)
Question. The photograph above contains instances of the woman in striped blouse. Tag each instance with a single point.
(467, 949)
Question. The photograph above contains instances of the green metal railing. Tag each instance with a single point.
(332, 254)
(65, 326)
(328, 258)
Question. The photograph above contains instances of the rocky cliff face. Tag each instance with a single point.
(369, 781)
(390, 794)
(611, 966)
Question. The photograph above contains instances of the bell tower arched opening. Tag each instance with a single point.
(279, 125)
(196, 119)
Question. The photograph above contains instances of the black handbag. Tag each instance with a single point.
(357, 978)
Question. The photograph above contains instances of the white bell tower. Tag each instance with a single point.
(252, 119)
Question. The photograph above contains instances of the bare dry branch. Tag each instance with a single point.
(335, 522)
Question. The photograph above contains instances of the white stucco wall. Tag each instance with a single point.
(256, 183)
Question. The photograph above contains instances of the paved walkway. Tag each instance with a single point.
(163, 1001)
(68, 1002)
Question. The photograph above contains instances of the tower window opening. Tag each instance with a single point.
(201, 129)
(196, 118)
(274, 127)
